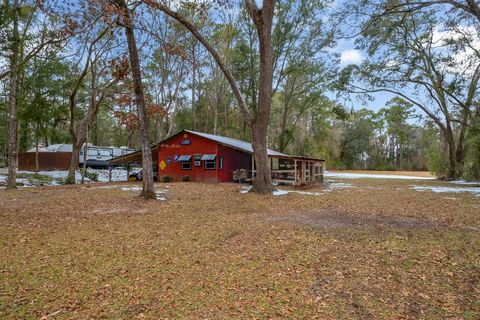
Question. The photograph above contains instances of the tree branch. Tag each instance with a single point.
(222, 65)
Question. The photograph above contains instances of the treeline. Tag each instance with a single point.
(66, 76)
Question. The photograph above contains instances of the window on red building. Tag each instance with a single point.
(186, 162)
(186, 165)
(209, 160)
(210, 164)
(220, 163)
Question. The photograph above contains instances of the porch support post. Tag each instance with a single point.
(302, 176)
(295, 174)
(253, 168)
(322, 163)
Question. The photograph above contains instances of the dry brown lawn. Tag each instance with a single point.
(379, 250)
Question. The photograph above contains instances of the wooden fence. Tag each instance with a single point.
(46, 161)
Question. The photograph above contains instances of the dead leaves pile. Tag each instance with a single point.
(211, 252)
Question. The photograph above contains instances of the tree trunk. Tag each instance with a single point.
(75, 149)
(12, 98)
(95, 132)
(263, 19)
(263, 179)
(215, 119)
(194, 88)
(85, 153)
(400, 155)
(452, 163)
(37, 165)
(452, 155)
(74, 162)
(460, 147)
(78, 138)
(148, 191)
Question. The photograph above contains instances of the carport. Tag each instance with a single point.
(131, 159)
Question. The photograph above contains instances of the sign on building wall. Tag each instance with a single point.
(185, 142)
(162, 165)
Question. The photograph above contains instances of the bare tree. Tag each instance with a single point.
(408, 60)
(263, 20)
(258, 120)
(166, 70)
(148, 191)
(79, 133)
(12, 100)
(29, 39)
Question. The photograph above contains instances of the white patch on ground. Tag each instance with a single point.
(246, 189)
(159, 194)
(463, 182)
(278, 192)
(345, 175)
(475, 191)
(118, 175)
(57, 176)
(24, 181)
(281, 192)
(339, 185)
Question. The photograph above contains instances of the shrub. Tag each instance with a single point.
(68, 181)
(35, 176)
(93, 176)
(186, 178)
(471, 163)
(437, 162)
(167, 178)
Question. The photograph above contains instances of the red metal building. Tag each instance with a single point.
(211, 158)
(203, 157)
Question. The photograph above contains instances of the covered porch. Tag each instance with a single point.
(293, 170)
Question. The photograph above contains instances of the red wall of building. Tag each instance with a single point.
(232, 159)
(174, 146)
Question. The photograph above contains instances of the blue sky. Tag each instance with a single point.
(350, 55)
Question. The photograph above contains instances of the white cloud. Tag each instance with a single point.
(351, 56)
(462, 59)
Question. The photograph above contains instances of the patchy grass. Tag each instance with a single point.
(34, 177)
(378, 250)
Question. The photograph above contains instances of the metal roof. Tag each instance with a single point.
(185, 157)
(60, 147)
(208, 157)
(234, 143)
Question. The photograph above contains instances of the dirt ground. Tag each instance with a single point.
(366, 249)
